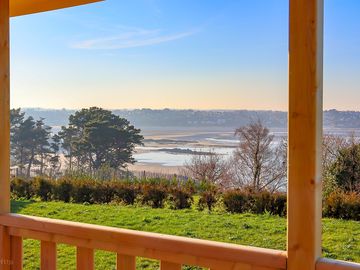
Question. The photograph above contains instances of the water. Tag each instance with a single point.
(165, 158)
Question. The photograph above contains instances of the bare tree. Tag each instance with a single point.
(259, 162)
(210, 167)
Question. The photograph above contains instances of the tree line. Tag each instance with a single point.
(93, 139)
(259, 163)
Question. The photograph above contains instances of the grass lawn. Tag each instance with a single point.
(341, 239)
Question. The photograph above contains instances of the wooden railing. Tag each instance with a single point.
(172, 251)
(327, 264)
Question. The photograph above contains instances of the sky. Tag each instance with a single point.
(199, 54)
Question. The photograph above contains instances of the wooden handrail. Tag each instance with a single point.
(328, 264)
(170, 249)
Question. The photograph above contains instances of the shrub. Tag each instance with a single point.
(126, 192)
(342, 205)
(235, 201)
(239, 201)
(208, 196)
(83, 191)
(180, 198)
(43, 188)
(153, 195)
(103, 192)
(21, 188)
(63, 190)
(279, 205)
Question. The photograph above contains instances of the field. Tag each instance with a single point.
(341, 239)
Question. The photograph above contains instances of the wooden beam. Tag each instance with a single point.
(25, 7)
(305, 133)
(4, 108)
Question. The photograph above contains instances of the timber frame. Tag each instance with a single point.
(304, 174)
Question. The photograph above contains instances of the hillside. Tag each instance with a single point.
(166, 118)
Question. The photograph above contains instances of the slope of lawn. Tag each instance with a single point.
(341, 239)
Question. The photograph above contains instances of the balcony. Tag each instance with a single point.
(304, 193)
(173, 252)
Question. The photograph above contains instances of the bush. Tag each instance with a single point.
(180, 198)
(104, 192)
(83, 191)
(235, 201)
(342, 205)
(239, 201)
(126, 192)
(154, 195)
(21, 189)
(43, 188)
(63, 190)
(279, 205)
(208, 196)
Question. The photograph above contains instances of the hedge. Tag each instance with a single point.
(176, 194)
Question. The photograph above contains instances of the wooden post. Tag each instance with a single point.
(4, 108)
(305, 133)
(4, 131)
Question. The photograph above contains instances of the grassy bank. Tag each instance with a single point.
(341, 239)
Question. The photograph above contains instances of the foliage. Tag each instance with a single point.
(30, 145)
(345, 170)
(96, 137)
(154, 194)
(160, 193)
(95, 141)
(180, 197)
(63, 190)
(83, 191)
(43, 188)
(126, 192)
(21, 188)
(241, 201)
(340, 204)
(208, 196)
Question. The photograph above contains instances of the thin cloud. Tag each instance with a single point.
(131, 39)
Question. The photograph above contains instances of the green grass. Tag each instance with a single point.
(341, 239)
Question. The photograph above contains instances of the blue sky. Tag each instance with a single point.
(201, 54)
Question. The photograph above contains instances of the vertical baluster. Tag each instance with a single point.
(4, 248)
(48, 255)
(85, 259)
(170, 266)
(16, 244)
(125, 262)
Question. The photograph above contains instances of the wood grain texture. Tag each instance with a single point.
(25, 7)
(84, 259)
(305, 133)
(16, 244)
(4, 108)
(143, 244)
(5, 259)
(48, 255)
(125, 262)
(170, 266)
